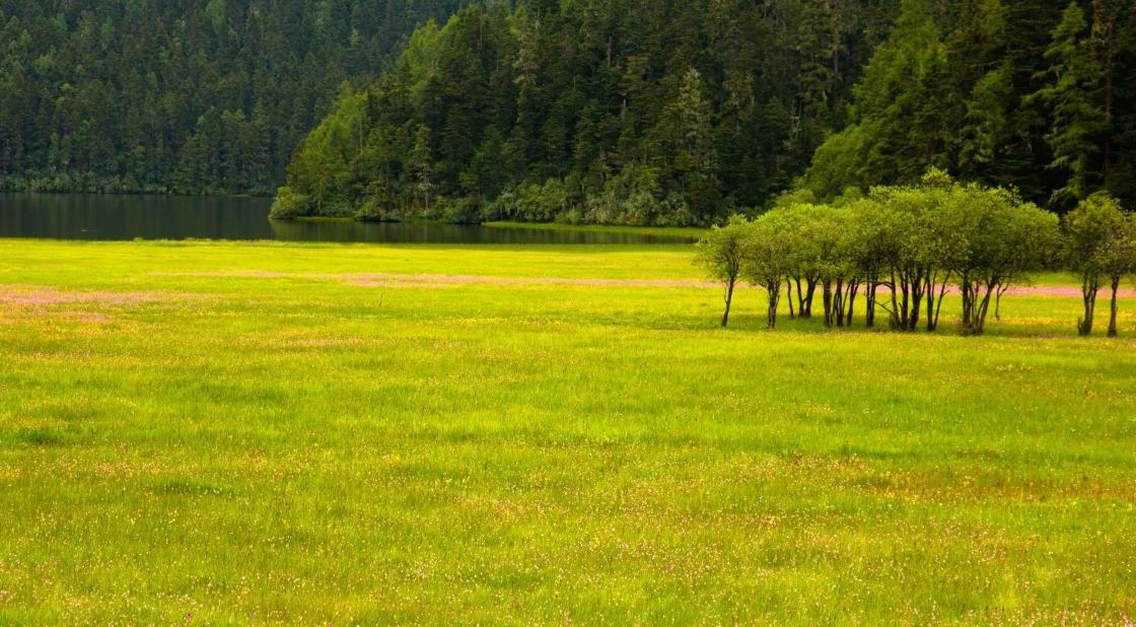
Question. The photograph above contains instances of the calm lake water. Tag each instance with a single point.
(106, 217)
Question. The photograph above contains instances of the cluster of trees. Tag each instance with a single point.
(903, 248)
(1101, 246)
(1039, 95)
(201, 96)
(611, 111)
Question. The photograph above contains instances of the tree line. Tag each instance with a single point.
(901, 249)
(675, 113)
(660, 112)
(1039, 95)
(199, 96)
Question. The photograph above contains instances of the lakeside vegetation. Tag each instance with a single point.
(280, 432)
(677, 232)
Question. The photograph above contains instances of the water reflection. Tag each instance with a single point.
(110, 217)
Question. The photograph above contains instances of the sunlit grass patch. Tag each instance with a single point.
(295, 449)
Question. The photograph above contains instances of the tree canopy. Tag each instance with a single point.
(671, 112)
(610, 111)
(203, 96)
(1034, 94)
(912, 242)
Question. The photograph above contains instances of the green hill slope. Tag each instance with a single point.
(190, 97)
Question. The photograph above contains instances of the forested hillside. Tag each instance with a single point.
(195, 96)
(661, 111)
(1034, 94)
(668, 112)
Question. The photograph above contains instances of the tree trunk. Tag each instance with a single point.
(870, 311)
(1089, 286)
(1112, 330)
(850, 308)
(917, 295)
(827, 304)
(967, 307)
(939, 300)
(800, 299)
(838, 303)
(980, 318)
(930, 289)
(812, 288)
(898, 315)
(729, 300)
(998, 301)
(789, 297)
(964, 289)
(774, 291)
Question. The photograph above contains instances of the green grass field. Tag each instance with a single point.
(299, 433)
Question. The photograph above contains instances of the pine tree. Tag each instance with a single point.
(905, 115)
(1105, 42)
(1073, 95)
(421, 165)
(695, 159)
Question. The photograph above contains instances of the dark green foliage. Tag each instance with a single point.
(289, 204)
(624, 111)
(1033, 94)
(661, 112)
(1073, 96)
(202, 96)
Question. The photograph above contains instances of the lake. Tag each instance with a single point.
(114, 217)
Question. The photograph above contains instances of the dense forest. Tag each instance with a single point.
(196, 96)
(661, 111)
(669, 112)
(1039, 95)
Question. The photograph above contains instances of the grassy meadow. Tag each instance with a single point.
(262, 432)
